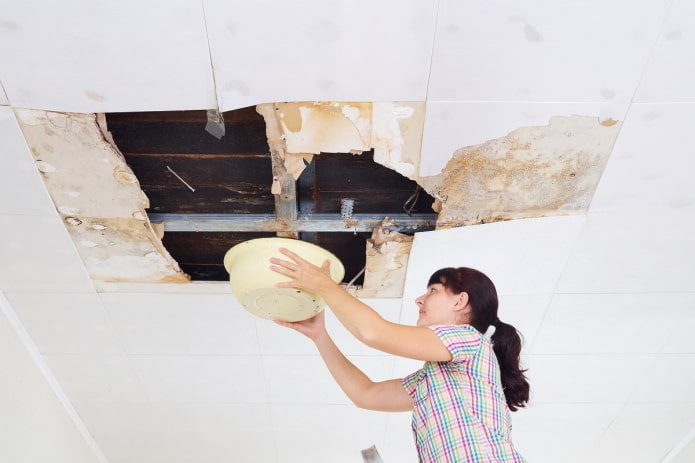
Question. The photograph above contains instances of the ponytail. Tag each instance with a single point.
(506, 342)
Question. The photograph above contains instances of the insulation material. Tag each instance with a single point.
(387, 261)
(393, 130)
(532, 172)
(98, 197)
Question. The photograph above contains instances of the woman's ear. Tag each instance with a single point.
(461, 301)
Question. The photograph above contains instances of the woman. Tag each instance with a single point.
(462, 397)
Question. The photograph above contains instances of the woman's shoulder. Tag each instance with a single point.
(463, 341)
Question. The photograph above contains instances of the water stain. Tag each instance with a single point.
(94, 96)
(532, 172)
(532, 35)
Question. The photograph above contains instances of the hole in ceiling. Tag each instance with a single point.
(188, 174)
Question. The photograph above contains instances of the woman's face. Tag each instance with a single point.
(436, 306)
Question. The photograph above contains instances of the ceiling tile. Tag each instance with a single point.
(680, 338)
(205, 379)
(141, 57)
(583, 378)
(576, 429)
(19, 173)
(305, 379)
(3, 97)
(632, 253)
(66, 323)
(330, 433)
(669, 75)
(96, 378)
(361, 51)
(276, 340)
(645, 433)
(399, 444)
(187, 324)
(611, 323)
(38, 255)
(451, 125)
(508, 43)
(520, 256)
(671, 378)
(181, 433)
(650, 168)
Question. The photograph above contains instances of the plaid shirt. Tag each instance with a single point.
(460, 412)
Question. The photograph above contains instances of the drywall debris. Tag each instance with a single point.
(532, 172)
(387, 260)
(392, 130)
(98, 197)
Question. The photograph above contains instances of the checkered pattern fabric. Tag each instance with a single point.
(460, 414)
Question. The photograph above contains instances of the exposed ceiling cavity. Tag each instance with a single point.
(153, 197)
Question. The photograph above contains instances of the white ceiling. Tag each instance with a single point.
(168, 374)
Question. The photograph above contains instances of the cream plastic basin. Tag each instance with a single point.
(253, 283)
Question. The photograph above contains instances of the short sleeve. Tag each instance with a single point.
(411, 381)
(463, 341)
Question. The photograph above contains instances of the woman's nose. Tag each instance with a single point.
(418, 301)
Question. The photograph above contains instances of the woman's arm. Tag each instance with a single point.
(362, 321)
(388, 396)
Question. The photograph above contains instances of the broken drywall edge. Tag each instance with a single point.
(392, 129)
(387, 254)
(538, 171)
(98, 197)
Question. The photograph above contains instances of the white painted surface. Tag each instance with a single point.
(18, 172)
(604, 301)
(99, 57)
(669, 73)
(540, 51)
(649, 170)
(311, 50)
(37, 421)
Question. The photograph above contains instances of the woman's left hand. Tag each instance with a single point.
(303, 274)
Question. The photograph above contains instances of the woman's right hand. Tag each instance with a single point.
(313, 328)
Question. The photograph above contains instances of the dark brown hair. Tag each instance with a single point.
(506, 340)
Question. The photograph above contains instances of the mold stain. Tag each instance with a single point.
(532, 172)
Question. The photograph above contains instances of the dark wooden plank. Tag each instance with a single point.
(239, 171)
(209, 200)
(202, 272)
(205, 248)
(350, 248)
(174, 132)
(345, 172)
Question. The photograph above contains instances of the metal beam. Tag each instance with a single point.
(304, 223)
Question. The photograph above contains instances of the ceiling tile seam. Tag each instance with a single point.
(554, 291)
(432, 49)
(532, 343)
(125, 353)
(266, 392)
(4, 93)
(218, 102)
(682, 443)
(650, 55)
(47, 374)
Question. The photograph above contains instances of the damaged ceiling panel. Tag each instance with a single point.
(98, 197)
(153, 197)
(532, 172)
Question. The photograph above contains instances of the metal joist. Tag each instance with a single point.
(403, 223)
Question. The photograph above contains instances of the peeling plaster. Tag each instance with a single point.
(392, 129)
(387, 261)
(98, 197)
(532, 172)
